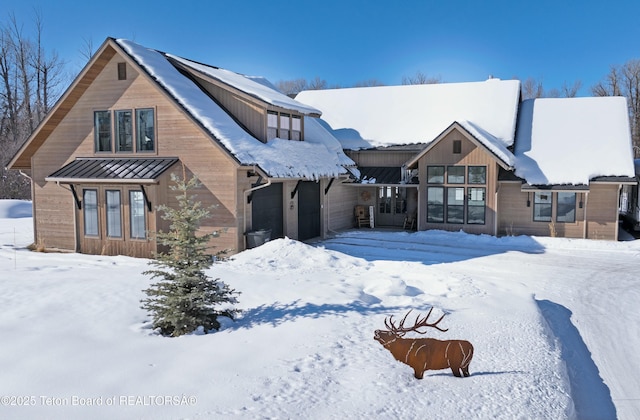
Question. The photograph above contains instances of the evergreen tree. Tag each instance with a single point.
(186, 298)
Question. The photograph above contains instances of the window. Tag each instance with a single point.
(114, 216)
(476, 206)
(102, 131)
(477, 174)
(435, 174)
(455, 205)
(457, 147)
(124, 131)
(90, 205)
(455, 174)
(435, 204)
(296, 127)
(272, 125)
(566, 210)
(542, 203)
(137, 215)
(285, 125)
(145, 130)
(122, 71)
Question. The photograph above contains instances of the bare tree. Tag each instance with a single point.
(28, 87)
(532, 88)
(369, 83)
(317, 84)
(420, 79)
(624, 80)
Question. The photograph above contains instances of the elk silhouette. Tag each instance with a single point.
(424, 354)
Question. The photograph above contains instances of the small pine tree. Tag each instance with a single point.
(185, 298)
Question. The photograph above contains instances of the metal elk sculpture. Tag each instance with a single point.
(424, 354)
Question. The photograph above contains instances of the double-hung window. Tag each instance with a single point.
(476, 206)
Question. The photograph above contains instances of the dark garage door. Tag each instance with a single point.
(308, 210)
(266, 209)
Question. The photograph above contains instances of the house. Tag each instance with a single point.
(474, 157)
(100, 162)
(455, 156)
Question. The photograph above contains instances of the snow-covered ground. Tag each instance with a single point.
(554, 323)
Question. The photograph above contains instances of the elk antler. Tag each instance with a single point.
(401, 330)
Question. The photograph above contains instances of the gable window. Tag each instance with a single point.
(114, 217)
(455, 205)
(145, 130)
(542, 203)
(90, 206)
(457, 147)
(455, 174)
(124, 131)
(477, 174)
(122, 71)
(476, 206)
(435, 204)
(102, 131)
(137, 215)
(566, 207)
(435, 174)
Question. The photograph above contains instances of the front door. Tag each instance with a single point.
(308, 210)
(391, 206)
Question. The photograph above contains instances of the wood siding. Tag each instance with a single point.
(441, 154)
(177, 136)
(599, 206)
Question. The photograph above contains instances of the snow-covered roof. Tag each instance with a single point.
(318, 156)
(390, 115)
(573, 140)
(249, 85)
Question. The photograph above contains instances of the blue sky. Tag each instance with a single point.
(348, 41)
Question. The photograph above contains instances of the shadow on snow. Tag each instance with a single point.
(591, 396)
(426, 247)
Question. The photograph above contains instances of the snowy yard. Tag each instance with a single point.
(554, 323)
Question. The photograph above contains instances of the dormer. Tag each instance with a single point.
(253, 102)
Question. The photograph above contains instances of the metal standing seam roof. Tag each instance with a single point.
(382, 175)
(131, 170)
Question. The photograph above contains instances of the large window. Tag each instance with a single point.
(114, 214)
(542, 205)
(90, 206)
(566, 208)
(435, 204)
(460, 200)
(102, 131)
(137, 215)
(145, 130)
